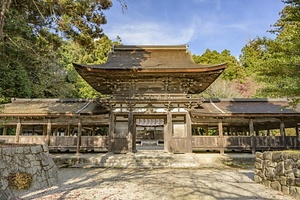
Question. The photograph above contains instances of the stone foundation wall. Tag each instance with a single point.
(279, 170)
(32, 159)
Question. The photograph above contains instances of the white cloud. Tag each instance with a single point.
(159, 32)
(199, 1)
(152, 33)
(218, 4)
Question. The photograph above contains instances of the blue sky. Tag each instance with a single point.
(202, 24)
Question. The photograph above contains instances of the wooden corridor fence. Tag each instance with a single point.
(199, 143)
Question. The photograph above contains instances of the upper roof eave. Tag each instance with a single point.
(104, 67)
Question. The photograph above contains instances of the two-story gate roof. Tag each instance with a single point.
(136, 70)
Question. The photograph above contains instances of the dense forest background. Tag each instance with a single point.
(39, 40)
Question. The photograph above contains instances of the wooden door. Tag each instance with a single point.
(180, 140)
(120, 136)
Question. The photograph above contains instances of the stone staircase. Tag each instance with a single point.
(136, 161)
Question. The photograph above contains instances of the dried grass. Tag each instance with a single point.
(19, 180)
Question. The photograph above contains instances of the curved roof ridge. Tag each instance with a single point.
(144, 47)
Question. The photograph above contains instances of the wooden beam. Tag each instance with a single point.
(221, 137)
(251, 130)
(79, 137)
(18, 130)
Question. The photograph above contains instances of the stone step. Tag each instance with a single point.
(147, 159)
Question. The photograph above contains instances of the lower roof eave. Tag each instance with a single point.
(50, 115)
(245, 115)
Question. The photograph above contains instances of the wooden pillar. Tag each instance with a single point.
(134, 137)
(33, 130)
(298, 135)
(93, 131)
(221, 137)
(4, 130)
(65, 131)
(282, 133)
(55, 131)
(206, 130)
(44, 130)
(231, 131)
(257, 132)
(268, 132)
(69, 130)
(111, 131)
(168, 132)
(251, 131)
(189, 133)
(227, 130)
(18, 130)
(79, 137)
(130, 132)
(49, 127)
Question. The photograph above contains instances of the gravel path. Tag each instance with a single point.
(127, 184)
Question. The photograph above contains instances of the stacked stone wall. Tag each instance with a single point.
(279, 170)
(31, 159)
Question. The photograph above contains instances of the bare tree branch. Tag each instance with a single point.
(4, 7)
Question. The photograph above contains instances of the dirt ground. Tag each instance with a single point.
(127, 184)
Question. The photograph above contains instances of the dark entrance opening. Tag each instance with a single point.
(149, 134)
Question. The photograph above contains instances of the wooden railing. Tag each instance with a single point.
(100, 143)
(237, 142)
(32, 139)
(8, 139)
(205, 142)
(245, 142)
(63, 143)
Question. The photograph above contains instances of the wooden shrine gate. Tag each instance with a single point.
(175, 132)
